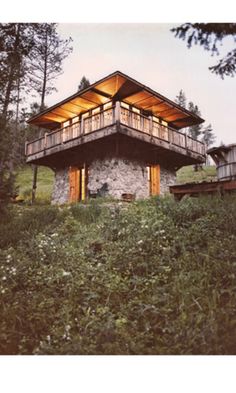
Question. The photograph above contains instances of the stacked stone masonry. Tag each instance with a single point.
(116, 176)
(60, 193)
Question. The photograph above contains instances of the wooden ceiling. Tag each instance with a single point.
(121, 87)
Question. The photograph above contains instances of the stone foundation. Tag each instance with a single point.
(118, 176)
(60, 193)
(167, 178)
(114, 177)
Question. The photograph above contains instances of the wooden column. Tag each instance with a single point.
(117, 111)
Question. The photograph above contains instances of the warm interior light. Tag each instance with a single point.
(96, 110)
(156, 119)
(75, 119)
(124, 105)
(107, 105)
(66, 123)
(135, 110)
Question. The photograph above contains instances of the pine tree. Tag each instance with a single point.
(45, 66)
(210, 36)
(16, 42)
(194, 131)
(208, 136)
(84, 83)
(181, 99)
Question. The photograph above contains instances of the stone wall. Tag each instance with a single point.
(167, 178)
(114, 177)
(118, 176)
(60, 193)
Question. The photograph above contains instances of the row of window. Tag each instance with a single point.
(108, 114)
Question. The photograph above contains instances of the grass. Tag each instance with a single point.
(44, 183)
(155, 278)
(188, 175)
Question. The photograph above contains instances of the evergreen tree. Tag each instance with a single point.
(44, 66)
(84, 83)
(195, 130)
(210, 37)
(16, 42)
(181, 99)
(208, 136)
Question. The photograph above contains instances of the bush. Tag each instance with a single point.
(155, 277)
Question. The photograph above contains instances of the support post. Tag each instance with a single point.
(150, 126)
(45, 140)
(117, 111)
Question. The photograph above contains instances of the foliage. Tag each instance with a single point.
(84, 83)
(210, 37)
(194, 131)
(181, 99)
(208, 136)
(45, 62)
(44, 185)
(151, 277)
(188, 174)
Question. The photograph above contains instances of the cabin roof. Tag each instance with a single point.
(116, 86)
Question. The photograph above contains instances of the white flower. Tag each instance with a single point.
(3, 291)
(140, 242)
(64, 274)
(4, 278)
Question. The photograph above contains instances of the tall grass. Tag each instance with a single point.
(156, 277)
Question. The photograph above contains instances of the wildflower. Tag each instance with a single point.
(4, 278)
(64, 274)
(140, 242)
(3, 291)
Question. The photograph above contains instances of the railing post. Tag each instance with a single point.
(82, 126)
(45, 140)
(101, 119)
(150, 125)
(169, 135)
(130, 118)
(186, 141)
(117, 111)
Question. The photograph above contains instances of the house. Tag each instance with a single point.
(115, 137)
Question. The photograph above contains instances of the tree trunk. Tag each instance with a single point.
(35, 167)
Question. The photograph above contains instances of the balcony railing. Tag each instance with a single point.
(107, 117)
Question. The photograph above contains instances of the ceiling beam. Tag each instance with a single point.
(101, 93)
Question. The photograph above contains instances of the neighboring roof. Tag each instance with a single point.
(121, 87)
(222, 148)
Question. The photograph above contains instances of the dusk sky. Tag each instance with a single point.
(152, 55)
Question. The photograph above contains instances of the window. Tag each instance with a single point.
(107, 105)
(86, 122)
(164, 130)
(96, 119)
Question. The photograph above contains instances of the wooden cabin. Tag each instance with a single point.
(113, 138)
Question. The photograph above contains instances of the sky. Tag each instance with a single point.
(152, 55)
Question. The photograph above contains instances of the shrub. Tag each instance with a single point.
(155, 277)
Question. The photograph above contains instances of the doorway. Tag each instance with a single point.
(154, 179)
(78, 183)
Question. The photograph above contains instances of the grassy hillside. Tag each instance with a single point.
(188, 175)
(44, 184)
(151, 277)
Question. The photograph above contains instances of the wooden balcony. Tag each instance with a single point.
(114, 119)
